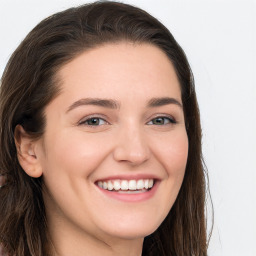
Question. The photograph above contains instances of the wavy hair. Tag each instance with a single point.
(29, 83)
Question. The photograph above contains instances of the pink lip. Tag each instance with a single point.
(131, 197)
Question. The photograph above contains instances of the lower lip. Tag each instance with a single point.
(136, 197)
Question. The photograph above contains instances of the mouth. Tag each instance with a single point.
(126, 186)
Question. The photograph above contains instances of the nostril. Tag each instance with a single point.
(131, 146)
(132, 155)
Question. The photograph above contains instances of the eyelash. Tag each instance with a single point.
(85, 122)
(167, 121)
(170, 120)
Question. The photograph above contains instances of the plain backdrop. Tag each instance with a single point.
(219, 38)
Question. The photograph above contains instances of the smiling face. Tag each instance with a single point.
(115, 130)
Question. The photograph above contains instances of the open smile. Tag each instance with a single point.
(128, 190)
(126, 185)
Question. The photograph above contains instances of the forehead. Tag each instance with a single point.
(126, 69)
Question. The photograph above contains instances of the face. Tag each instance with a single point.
(115, 147)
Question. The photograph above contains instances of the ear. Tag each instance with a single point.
(26, 152)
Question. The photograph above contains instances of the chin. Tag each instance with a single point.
(131, 230)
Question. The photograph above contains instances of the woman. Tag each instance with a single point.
(101, 139)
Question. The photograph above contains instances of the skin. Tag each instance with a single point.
(128, 140)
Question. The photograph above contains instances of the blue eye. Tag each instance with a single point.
(94, 121)
(162, 121)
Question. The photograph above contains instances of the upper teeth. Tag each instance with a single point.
(126, 184)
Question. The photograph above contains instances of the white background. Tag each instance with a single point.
(219, 38)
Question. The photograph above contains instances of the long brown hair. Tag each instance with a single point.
(29, 83)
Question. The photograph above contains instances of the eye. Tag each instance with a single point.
(93, 121)
(161, 120)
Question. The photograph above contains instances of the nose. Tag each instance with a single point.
(131, 146)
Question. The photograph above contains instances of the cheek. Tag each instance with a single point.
(173, 154)
(74, 154)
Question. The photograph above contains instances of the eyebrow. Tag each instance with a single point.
(111, 104)
(158, 102)
(106, 103)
